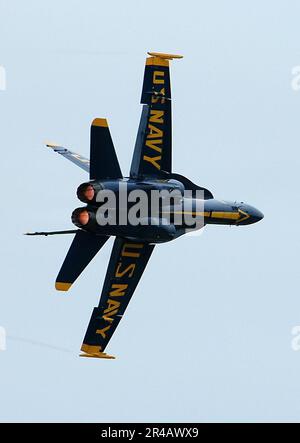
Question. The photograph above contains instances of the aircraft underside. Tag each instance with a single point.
(153, 205)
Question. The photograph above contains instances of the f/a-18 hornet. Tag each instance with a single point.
(119, 206)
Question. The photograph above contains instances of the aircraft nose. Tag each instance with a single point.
(255, 214)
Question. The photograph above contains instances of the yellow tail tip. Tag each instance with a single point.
(59, 286)
(102, 122)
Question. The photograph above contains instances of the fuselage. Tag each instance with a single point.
(127, 207)
(230, 213)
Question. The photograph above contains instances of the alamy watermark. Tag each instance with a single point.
(139, 207)
(2, 78)
(295, 342)
(126, 206)
(295, 82)
(2, 339)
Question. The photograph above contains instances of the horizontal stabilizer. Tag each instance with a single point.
(78, 159)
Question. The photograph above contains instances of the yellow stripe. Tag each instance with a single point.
(62, 286)
(215, 214)
(100, 122)
(164, 56)
(203, 214)
(229, 215)
(98, 355)
(156, 61)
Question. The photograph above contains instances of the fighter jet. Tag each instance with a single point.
(101, 217)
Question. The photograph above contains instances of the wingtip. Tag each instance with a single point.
(49, 144)
(92, 351)
(165, 56)
(62, 286)
(53, 145)
(98, 355)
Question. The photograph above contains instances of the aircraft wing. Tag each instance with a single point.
(78, 159)
(153, 147)
(126, 266)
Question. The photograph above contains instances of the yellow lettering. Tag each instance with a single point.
(118, 290)
(126, 253)
(154, 132)
(153, 160)
(156, 79)
(156, 99)
(109, 316)
(130, 270)
(102, 331)
(156, 116)
(152, 144)
(112, 305)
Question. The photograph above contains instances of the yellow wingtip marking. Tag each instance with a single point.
(99, 355)
(164, 56)
(90, 349)
(102, 122)
(51, 145)
(62, 286)
(94, 352)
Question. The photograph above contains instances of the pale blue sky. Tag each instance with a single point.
(207, 336)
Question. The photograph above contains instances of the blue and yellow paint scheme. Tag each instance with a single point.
(151, 169)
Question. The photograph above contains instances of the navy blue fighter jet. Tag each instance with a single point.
(151, 170)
